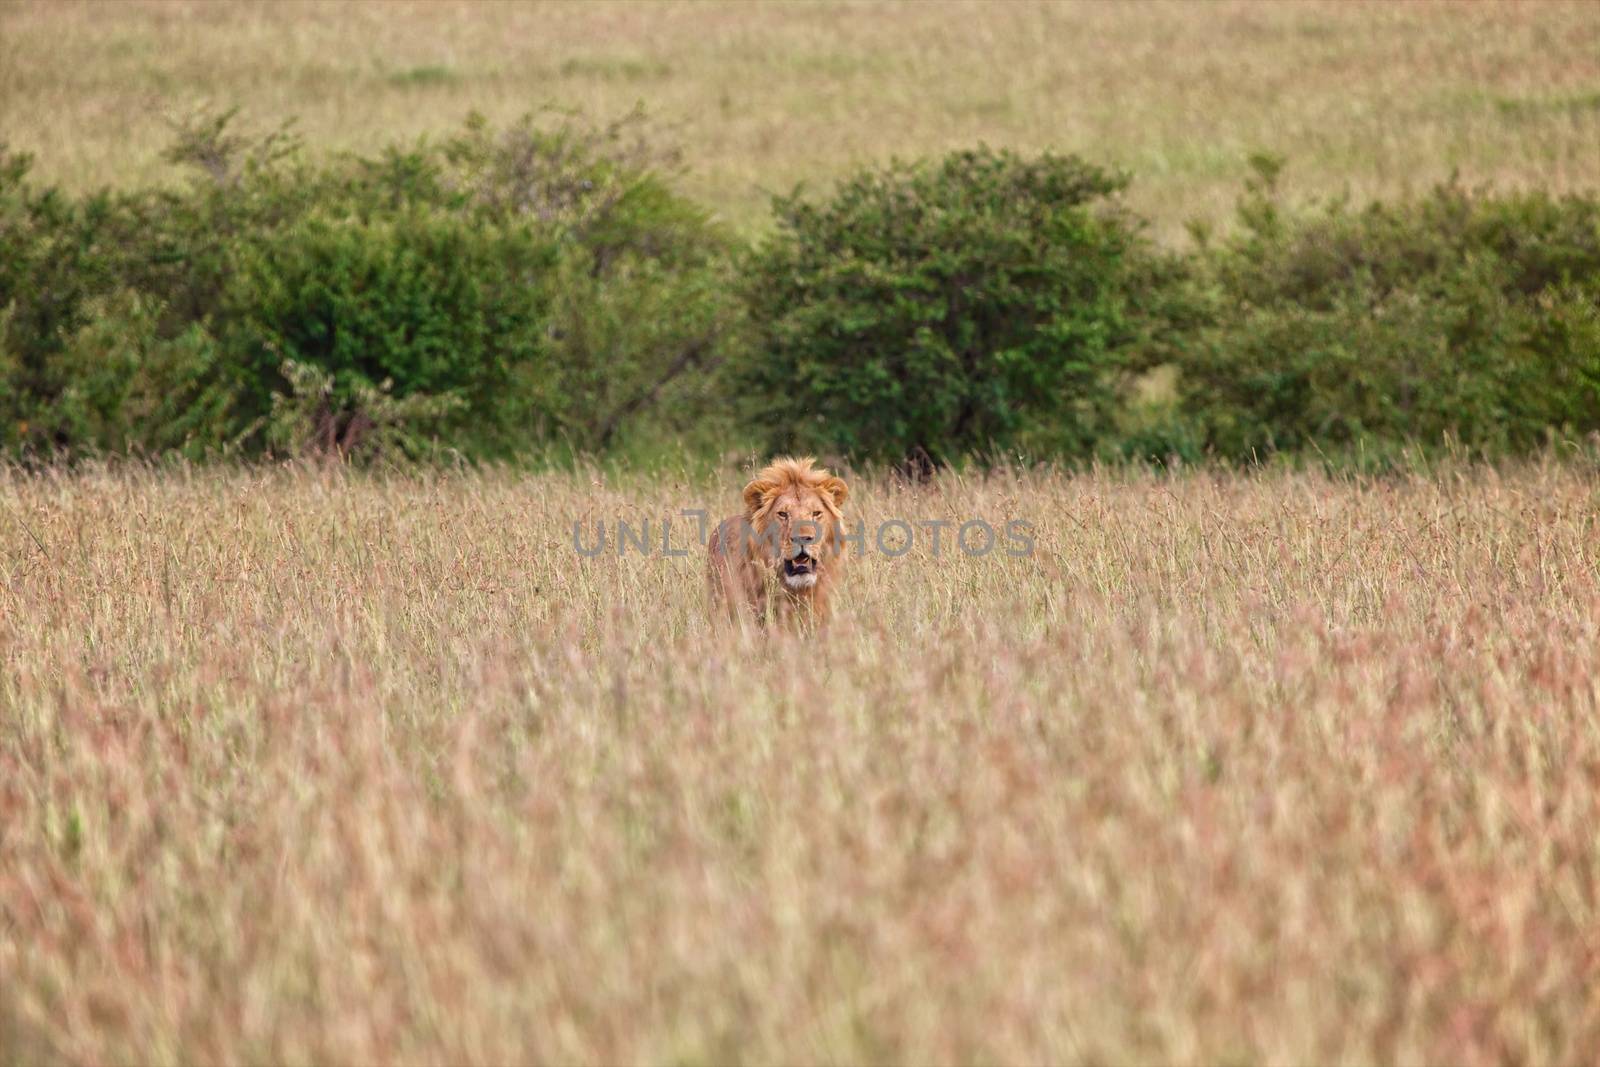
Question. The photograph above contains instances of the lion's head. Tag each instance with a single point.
(795, 510)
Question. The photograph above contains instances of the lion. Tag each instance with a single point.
(784, 553)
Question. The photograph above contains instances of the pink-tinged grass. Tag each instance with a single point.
(300, 766)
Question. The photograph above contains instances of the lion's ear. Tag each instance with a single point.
(836, 489)
(755, 494)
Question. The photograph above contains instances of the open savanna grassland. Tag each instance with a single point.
(1374, 98)
(314, 766)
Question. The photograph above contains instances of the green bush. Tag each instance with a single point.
(124, 387)
(1461, 315)
(530, 286)
(52, 262)
(983, 302)
(434, 304)
(541, 287)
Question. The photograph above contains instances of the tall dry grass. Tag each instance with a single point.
(1373, 97)
(316, 767)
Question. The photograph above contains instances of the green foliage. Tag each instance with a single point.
(1460, 315)
(121, 386)
(51, 264)
(540, 288)
(435, 305)
(367, 421)
(541, 282)
(984, 301)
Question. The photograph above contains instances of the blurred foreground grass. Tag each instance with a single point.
(299, 766)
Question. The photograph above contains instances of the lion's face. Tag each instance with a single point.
(795, 514)
(801, 525)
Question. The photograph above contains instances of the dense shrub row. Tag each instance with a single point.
(505, 292)
(489, 292)
(1457, 315)
(990, 302)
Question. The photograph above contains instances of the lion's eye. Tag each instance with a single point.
(816, 514)
(783, 514)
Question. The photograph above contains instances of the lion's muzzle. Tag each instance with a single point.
(799, 571)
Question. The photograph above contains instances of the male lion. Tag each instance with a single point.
(785, 550)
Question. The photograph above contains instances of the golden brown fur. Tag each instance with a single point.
(783, 555)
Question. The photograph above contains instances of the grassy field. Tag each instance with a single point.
(307, 765)
(302, 766)
(1376, 98)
